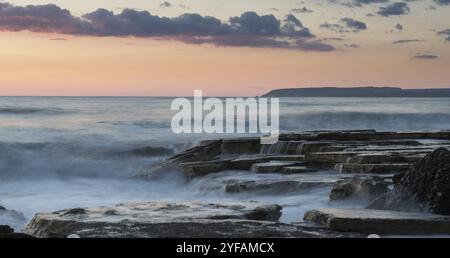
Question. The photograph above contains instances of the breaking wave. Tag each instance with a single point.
(31, 111)
(73, 159)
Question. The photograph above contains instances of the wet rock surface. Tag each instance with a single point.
(272, 186)
(272, 166)
(425, 187)
(8, 232)
(360, 151)
(191, 220)
(379, 222)
(364, 189)
(356, 168)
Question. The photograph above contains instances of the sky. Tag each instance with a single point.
(224, 47)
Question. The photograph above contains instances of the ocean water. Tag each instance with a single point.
(64, 152)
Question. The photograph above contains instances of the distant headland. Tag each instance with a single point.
(360, 92)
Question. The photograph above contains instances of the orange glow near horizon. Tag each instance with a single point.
(34, 64)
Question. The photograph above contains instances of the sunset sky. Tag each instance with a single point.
(225, 47)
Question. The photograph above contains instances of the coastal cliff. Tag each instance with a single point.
(377, 92)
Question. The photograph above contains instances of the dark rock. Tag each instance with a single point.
(202, 168)
(330, 157)
(375, 158)
(111, 212)
(8, 232)
(359, 188)
(279, 147)
(185, 220)
(379, 222)
(273, 166)
(204, 152)
(5, 229)
(241, 146)
(271, 186)
(265, 213)
(425, 187)
(16, 235)
(246, 162)
(353, 168)
(397, 178)
(76, 211)
(378, 203)
(308, 147)
(298, 170)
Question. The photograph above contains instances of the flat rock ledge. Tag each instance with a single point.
(166, 220)
(381, 222)
(353, 152)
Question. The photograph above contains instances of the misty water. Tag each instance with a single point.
(65, 152)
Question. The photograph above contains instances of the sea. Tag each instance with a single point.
(67, 152)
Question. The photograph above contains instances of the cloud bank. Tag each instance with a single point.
(247, 30)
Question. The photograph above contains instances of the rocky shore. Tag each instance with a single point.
(401, 178)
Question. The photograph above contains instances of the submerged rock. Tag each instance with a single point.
(273, 166)
(165, 220)
(425, 187)
(246, 162)
(8, 232)
(272, 186)
(298, 170)
(355, 168)
(148, 151)
(202, 168)
(379, 222)
(5, 229)
(359, 188)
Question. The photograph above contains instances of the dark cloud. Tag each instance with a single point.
(302, 10)
(362, 2)
(333, 38)
(351, 45)
(354, 24)
(41, 18)
(166, 4)
(248, 29)
(333, 27)
(425, 56)
(357, 3)
(404, 41)
(345, 25)
(446, 33)
(442, 2)
(399, 8)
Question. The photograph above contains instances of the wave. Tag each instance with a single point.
(364, 120)
(139, 123)
(74, 159)
(31, 111)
